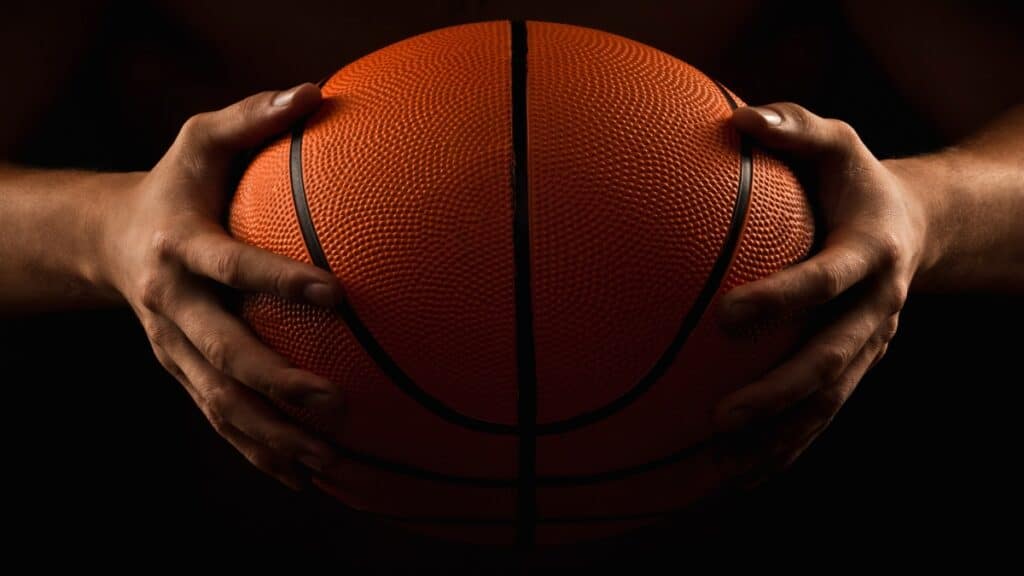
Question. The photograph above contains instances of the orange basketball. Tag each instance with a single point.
(532, 222)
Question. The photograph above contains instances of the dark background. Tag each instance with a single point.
(107, 457)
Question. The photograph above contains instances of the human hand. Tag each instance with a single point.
(167, 253)
(876, 239)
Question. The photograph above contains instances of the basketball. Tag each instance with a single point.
(532, 223)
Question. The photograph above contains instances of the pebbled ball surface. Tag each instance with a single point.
(633, 175)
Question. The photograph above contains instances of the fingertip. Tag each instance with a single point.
(302, 388)
(317, 459)
(730, 417)
(293, 481)
(316, 397)
(323, 294)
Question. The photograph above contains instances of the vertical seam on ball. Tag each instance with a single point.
(526, 370)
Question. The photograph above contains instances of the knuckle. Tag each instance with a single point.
(226, 267)
(152, 292)
(165, 243)
(216, 351)
(193, 131)
(888, 331)
(830, 280)
(191, 143)
(832, 359)
(844, 143)
(218, 408)
(896, 296)
(217, 418)
(249, 107)
(160, 337)
(882, 351)
(889, 249)
(844, 133)
(270, 387)
(283, 282)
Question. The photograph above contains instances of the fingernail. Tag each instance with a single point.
(320, 294)
(285, 98)
(317, 396)
(313, 462)
(771, 117)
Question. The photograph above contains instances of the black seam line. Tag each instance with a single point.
(539, 480)
(359, 330)
(743, 192)
(526, 365)
(362, 333)
(316, 251)
(521, 230)
(405, 383)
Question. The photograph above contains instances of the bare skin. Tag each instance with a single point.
(944, 222)
(153, 240)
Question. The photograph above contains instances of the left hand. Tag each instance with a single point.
(167, 254)
(876, 239)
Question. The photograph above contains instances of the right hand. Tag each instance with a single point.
(165, 251)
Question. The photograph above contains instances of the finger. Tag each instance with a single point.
(879, 356)
(218, 136)
(794, 130)
(842, 263)
(259, 421)
(266, 460)
(757, 455)
(885, 335)
(170, 345)
(797, 434)
(216, 255)
(835, 269)
(743, 455)
(165, 337)
(228, 405)
(230, 348)
(755, 468)
(817, 365)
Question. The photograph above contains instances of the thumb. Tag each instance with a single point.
(792, 129)
(217, 136)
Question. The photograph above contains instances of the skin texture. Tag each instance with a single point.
(890, 226)
(154, 240)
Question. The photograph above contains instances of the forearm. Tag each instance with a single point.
(974, 197)
(50, 232)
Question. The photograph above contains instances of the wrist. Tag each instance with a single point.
(103, 232)
(924, 181)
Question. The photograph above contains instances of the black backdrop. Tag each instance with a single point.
(107, 456)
